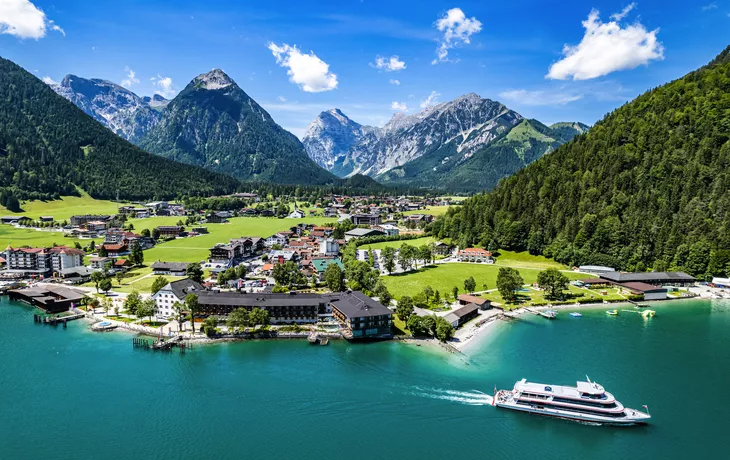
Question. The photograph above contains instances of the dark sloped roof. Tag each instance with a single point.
(260, 299)
(184, 287)
(667, 277)
(356, 304)
(172, 266)
(465, 310)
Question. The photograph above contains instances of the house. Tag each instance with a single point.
(96, 226)
(2, 262)
(366, 219)
(249, 245)
(330, 212)
(466, 299)
(282, 256)
(246, 196)
(267, 213)
(329, 247)
(220, 217)
(419, 218)
(475, 255)
(296, 214)
(595, 269)
(249, 212)
(363, 316)
(282, 308)
(78, 221)
(319, 266)
(170, 231)
(650, 292)
(11, 220)
(42, 261)
(388, 229)
(362, 233)
(463, 314)
(121, 265)
(50, 298)
(721, 282)
(281, 238)
(236, 249)
(46, 219)
(653, 278)
(175, 291)
(440, 248)
(199, 230)
(169, 268)
(76, 275)
(98, 263)
(116, 250)
(124, 210)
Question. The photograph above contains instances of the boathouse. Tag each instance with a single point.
(49, 298)
(461, 315)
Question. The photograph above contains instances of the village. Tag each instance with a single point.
(351, 274)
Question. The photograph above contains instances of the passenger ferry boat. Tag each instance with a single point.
(586, 402)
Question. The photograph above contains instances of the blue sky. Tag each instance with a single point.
(512, 51)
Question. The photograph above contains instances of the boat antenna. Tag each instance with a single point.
(647, 409)
(588, 379)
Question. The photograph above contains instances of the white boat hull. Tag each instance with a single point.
(631, 416)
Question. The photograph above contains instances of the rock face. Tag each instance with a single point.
(432, 144)
(213, 123)
(117, 108)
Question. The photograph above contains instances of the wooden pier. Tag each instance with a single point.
(161, 344)
(55, 320)
(541, 313)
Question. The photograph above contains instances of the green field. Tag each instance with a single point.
(196, 248)
(444, 277)
(17, 237)
(526, 260)
(64, 208)
(433, 210)
(399, 243)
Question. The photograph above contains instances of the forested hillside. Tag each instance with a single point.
(48, 146)
(648, 187)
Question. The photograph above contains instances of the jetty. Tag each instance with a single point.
(545, 314)
(161, 344)
(56, 320)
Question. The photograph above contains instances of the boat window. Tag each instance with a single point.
(548, 389)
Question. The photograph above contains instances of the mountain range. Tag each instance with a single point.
(49, 147)
(646, 188)
(211, 123)
(463, 145)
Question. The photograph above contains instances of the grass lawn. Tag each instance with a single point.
(66, 207)
(444, 277)
(399, 243)
(526, 260)
(18, 237)
(535, 297)
(433, 210)
(196, 248)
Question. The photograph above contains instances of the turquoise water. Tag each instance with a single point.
(71, 393)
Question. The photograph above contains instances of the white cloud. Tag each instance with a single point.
(536, 98)
(394, 82)
(711, 6)
(625, 12)
(607, 47)
(306, 70)
(164, 86)
(131, 78)
(457, 29)
(432, 99)
(281, 99)
(399, 106)
(49, 81)
(391, 64)
(24, 20)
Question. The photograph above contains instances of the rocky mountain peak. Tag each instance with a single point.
(215, 79)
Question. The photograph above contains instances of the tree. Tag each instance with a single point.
(382, 293)
(429, 324)
(238, 319)
(415, 325)
(288, 274)
(179, 309)
(553, 282)
(105, 285)
(425, 254)
(102, 251)
(428, 292)
(137, 255)
(509, 282)
(156, 233)
(194, 272)
(444, 330)
(405, 308)
(455, 292)
(132, 302)
(119, 276)
(470, 285)
(406, 256)
(193, 307)
(147, 308)
(145, 232)
(96, 278)
(387, 255)
(334, 278)
(259, 316)
(371, 258)
(158, 284)
(437, 297)
(106, 304)
(209, 326)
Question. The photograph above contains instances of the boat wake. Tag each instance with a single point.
(471, 398)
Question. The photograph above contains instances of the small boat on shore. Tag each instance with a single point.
(612, 312)
(575, 314)
(648, 313)
(587, 402)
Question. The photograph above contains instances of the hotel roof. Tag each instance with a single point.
(668, 277)
(357, 305)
